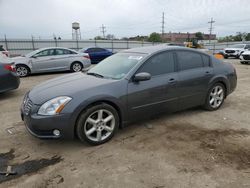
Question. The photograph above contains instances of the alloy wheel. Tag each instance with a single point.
(22, 71)
(99, 125)
(216, 96)
(76, 67)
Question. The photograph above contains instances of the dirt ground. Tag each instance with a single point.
(192, 148)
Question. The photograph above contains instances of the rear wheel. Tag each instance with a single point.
(22, 70)
(76, 67)
(215, 97)
(97, 124)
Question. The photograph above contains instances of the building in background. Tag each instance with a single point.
(183, 37)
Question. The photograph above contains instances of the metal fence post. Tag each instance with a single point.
(127, 44)
(77, 44)
(112, 44)
(6, 43)
(142, 43)
(213, 48)
(55, 41)
(95, 42)
(32, 41)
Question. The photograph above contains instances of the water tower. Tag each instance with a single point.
(76, 32)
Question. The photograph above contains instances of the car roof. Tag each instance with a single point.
(158, 48)
(55, 48)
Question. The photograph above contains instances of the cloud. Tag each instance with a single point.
(121, 17)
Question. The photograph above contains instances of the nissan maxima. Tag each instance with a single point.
(126, 87)
(51, 60)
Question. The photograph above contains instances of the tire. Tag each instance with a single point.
(22, 70)
(215, 97)
(243, 62)
(225, 56)
(91, 126)
(76, 67)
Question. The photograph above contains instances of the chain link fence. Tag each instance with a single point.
(23, 46)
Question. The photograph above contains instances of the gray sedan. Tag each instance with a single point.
(51, 60)
(126, 87)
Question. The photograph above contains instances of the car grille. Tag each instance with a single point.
(230, 51)
(27, 106)
(246, 57)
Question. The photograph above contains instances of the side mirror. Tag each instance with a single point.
(34, 56)
(142, 76)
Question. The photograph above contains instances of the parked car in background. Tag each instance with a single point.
(125, 87)
(8, 77)
(245, 57)
(51, 60)
(97, 54)
(4, 51)
(235, 50)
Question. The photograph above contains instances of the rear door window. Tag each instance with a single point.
(189, 60)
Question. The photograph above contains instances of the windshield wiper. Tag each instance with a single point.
(95, 74)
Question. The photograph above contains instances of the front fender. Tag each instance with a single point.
(100, 98)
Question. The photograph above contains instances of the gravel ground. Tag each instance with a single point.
(192, 148)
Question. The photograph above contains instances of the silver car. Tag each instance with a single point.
(51, 60)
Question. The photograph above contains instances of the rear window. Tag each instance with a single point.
(189, 60)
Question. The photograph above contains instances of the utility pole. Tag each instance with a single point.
(162, 25)
(210, 29)
(103, 30)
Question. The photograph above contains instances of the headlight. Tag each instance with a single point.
(54, 106)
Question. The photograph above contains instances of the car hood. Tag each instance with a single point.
(246, 52)
(68, 85)
(239, 49)
(20, 59)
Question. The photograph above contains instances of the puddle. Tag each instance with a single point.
(24, 168)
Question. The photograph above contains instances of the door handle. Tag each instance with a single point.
(171, 81)
(207, 73)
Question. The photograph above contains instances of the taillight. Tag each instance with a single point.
(6, 53)
(10, 67)
(86, 56)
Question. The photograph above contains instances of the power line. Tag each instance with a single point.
(210, 28)
(103, 30)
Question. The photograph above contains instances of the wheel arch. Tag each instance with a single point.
(222, 80)
(89, 104)
(76, 61)
(22, 64)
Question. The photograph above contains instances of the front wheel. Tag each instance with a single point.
(215, 97)
(22, 70)
(97, 124)
(76, 67)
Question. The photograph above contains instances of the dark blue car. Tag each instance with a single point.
(97, 54)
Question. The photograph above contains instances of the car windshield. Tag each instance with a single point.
(32, 53)
(238, 46)
(116, 66)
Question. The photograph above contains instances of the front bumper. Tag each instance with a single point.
(43, 126)
(235, 54)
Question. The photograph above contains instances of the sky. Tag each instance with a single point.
(122, 18)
